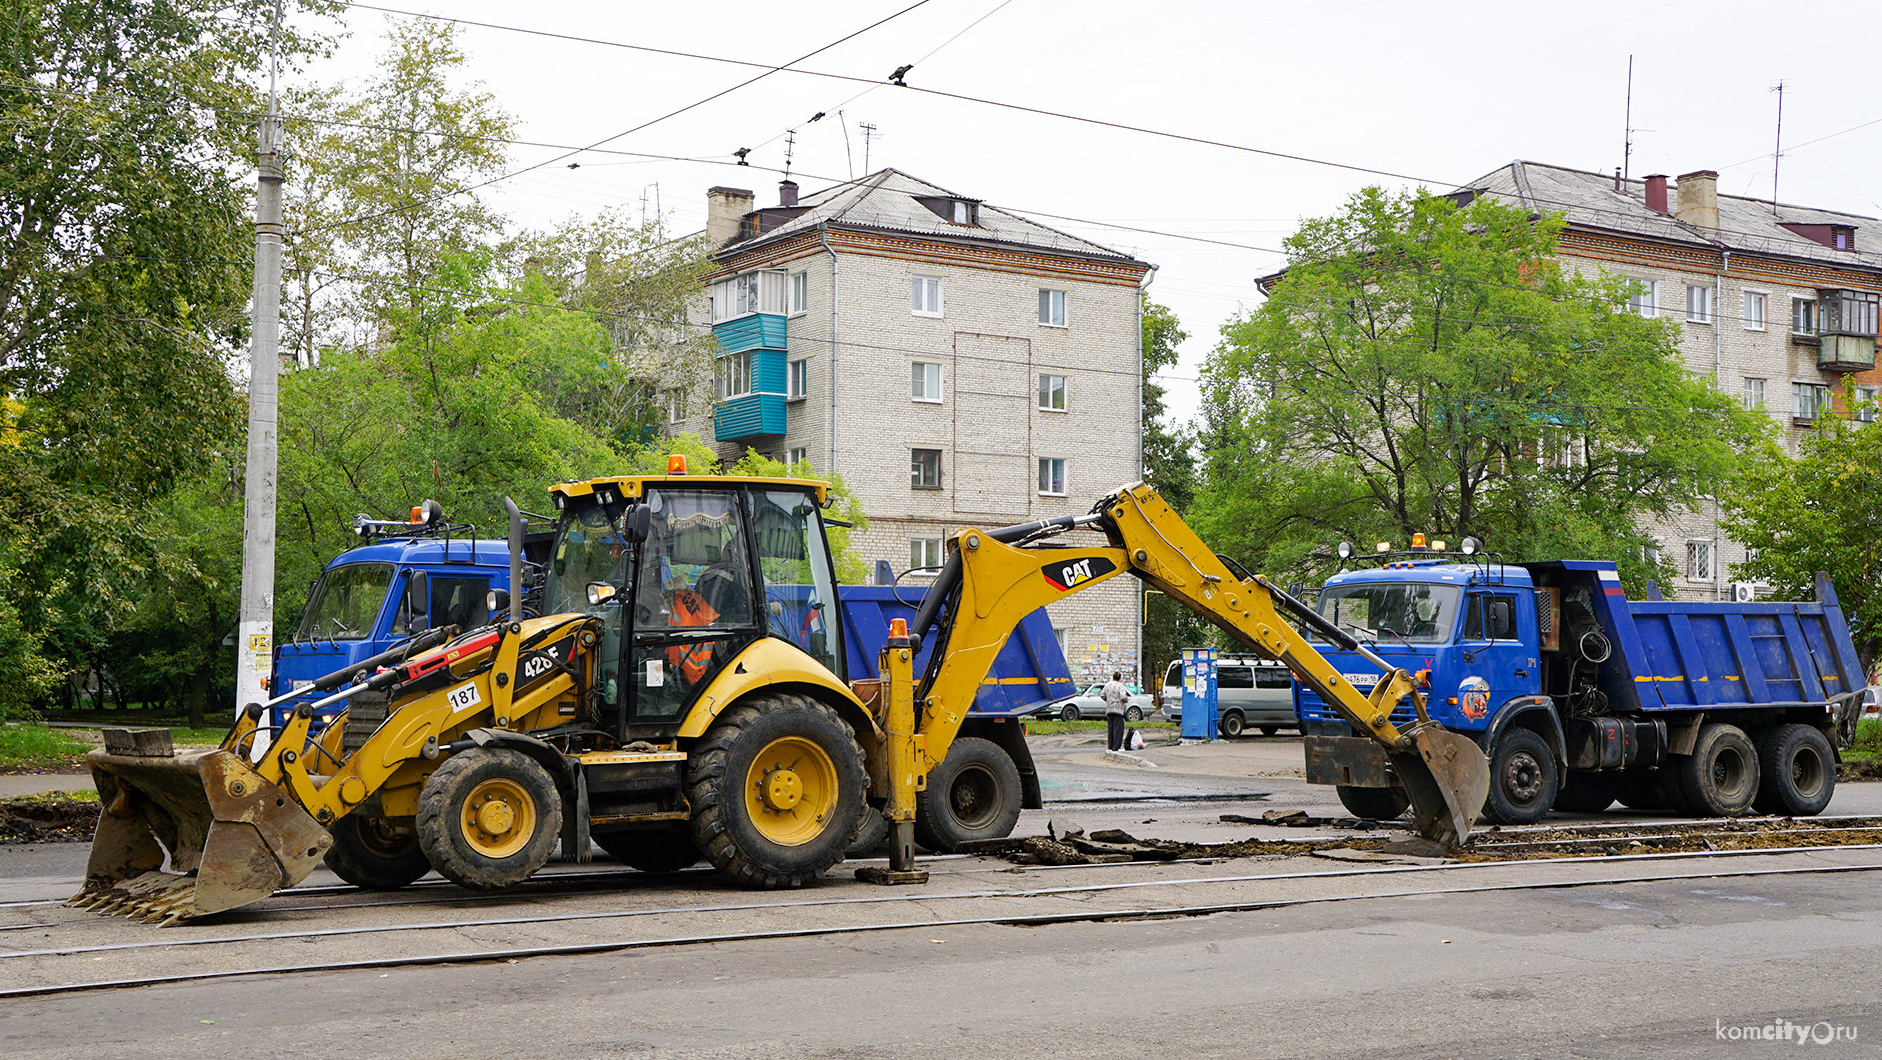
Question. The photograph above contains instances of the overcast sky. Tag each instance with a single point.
(1442, 93)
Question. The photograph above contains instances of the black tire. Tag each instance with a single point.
(1522, 778)
(1270, 730)
(372, 853)
(1796, 771)
(1640, 792)
(666, 850)
(1587, 792)
(805, 747)
(1231, 724)
(872, 830)
(488, 850)
(1376, 804)
(1133, 714)
(1720, 777)
(973, 794)
(1069, 713)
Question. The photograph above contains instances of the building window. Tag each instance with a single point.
(1865, 399)
(1699, 560)
(924, 555)
(925, 297)
(1754, 311)
(1645, 299)
(924, 469)
(734, 375)
(1650, 553)
(1698, 304)
(1052, 393)
(675, 402)
(1847, 313)
(961, 213)
(924, 381)
(1809, 400)
(1052, 476)
(1754, 394)
(800, 292)
(1052, 308)
(754, 292)
(797, 379)
(1803, 316)
(794, 457)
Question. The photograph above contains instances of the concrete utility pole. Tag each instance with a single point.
(254, 648)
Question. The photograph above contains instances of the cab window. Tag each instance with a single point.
(1490, 616)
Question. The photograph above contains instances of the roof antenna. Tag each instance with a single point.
(1627, 137)
(869, 132)
(1777, 153)
(790, 148)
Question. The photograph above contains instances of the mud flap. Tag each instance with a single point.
(1448, 779)
(231, 836)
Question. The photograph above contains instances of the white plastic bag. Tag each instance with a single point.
(1133, 740)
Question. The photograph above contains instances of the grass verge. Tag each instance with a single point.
(1042, 727)
(28, 748)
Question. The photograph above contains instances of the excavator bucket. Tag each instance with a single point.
(1448, 780)
(183, 836)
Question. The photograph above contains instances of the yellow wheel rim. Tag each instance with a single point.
(498, 818)
(790, 791)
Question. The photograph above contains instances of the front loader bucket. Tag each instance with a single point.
(230, 836)
(1448, 779)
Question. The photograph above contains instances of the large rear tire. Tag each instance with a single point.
(1587, 792)
(1720, 777)
(776, 787)
(371, 853)
(488, 818)
(1377, 804)
(1796, 771)
(1522, 778)
(668, 850)
(973, 794)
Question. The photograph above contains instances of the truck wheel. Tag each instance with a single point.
(872, 830)
(1587, 792)
(369, 852)
(1375, 804)
(973, 794)
(1720, 777)
(1796, 769)
(1232, 724)
(668, 850)
(1522, 779)
(1133, 714)
(489, 818)
(1639, 792)
(776, 786)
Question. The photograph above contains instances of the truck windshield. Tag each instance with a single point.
(590, 548)
(345, 603)
(1392, 611)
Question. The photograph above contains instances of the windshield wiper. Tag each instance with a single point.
(1395, 633)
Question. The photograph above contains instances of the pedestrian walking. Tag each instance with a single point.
(1115, 697)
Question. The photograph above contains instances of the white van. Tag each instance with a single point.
(1251, 693)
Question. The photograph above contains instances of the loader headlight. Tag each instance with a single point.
(1469, 546)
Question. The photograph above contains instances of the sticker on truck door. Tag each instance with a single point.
(1473, 697)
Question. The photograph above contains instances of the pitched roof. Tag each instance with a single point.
(890, 201)
(1591, 200)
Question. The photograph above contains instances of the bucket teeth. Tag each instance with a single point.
(152, 897)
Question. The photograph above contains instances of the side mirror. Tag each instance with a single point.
(418, 598)
(639, 522)
(600, 593)
(497, 601)
(1502, 620)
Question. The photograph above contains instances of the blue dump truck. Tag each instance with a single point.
(1580, 697)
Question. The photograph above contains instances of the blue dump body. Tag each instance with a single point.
(1029, 672)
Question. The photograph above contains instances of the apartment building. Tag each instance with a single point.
(958, 364)
(1775, 302)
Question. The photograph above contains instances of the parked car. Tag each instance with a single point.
(1090, 704)
(1251, 692)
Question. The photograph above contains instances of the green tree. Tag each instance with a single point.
(850, 568)
(1816, 512)
(1426, 367)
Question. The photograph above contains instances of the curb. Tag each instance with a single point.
(1129, 759)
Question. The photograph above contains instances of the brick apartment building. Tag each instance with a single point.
(959, 365)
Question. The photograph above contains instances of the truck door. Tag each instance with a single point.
(1496, 652)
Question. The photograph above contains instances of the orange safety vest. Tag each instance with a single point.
(691, 609)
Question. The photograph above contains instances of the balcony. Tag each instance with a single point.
(1846, 353)
(752, 370)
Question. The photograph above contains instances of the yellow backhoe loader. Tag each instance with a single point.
(682, 695)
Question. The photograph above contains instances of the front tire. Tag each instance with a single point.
(1231, 725)
(1376, 804)
(370, 853)
(776, 788)
(489, 818)
(651, 851)
(1068, 713)
(1522, 779)
(973, 794)
(1133, 714)
(1720, 777)
(1796, 769)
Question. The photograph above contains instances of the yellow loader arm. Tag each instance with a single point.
(992, 580)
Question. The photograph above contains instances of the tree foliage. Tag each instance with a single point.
(1426, 367)
(1816, 512)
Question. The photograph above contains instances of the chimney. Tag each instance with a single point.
(1656, 193)
(787, 192)
(725, 209)
(1699, 198)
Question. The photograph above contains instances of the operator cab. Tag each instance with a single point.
(685, 573)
